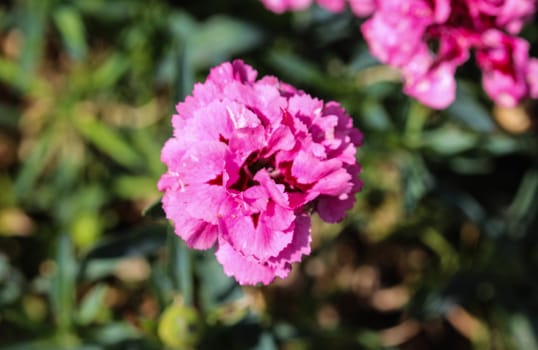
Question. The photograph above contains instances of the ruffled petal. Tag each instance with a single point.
(245, 270)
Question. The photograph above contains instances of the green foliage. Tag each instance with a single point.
(440, 251)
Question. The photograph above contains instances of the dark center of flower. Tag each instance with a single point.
(254, 163)
(250, 167)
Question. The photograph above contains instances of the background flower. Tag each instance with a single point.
(401, 34)
(361, 8)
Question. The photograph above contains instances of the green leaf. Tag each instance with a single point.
(114, 333)
(216, 288)
(181, 24)
(142, 241)
(11, 282)
(369, 339)
(113, 11)
(91, 305)
(524, 206)
(180, 266)
(449, 141)
(361, 59)
(155, 210)
(71, 27)
(110, 72)
(96, 269)
(523, 332)
(448, 257)
(11, 73)
(176, 67)
(109, 141)
(467, 110)
(219, 38)
(185, 74)
(471, 208)
(33, 25)
(50, 344)
(295, 67)
(149, 145)
(266, 342)
(162, 284)
(471, 165)
(135, 187)
(416, 181)
(62, 294)
(374, 115)
(501, 144)
(34, 166)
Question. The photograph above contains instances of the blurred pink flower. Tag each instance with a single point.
(402, 33)
(333, 5)
(361, 8)
(248, 162)
(504, 62)
(280, 6)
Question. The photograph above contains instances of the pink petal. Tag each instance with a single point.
(198, 162)
(245, 270)
(334, 184)
(362, 8)
(206, 202)
(331, 209)
(276, 192)
(197, 233)
(436, 89)
(281, 140)
(256, 197)
(300, 245)
(532, 77)
(308, 169)
(434, 86)
(268, 238)
(235, 71)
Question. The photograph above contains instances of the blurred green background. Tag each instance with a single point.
(440, 251)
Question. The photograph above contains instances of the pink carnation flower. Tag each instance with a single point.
(249, 161)
(401, 33)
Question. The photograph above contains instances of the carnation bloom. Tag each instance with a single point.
(248, 162)
(401, 34)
